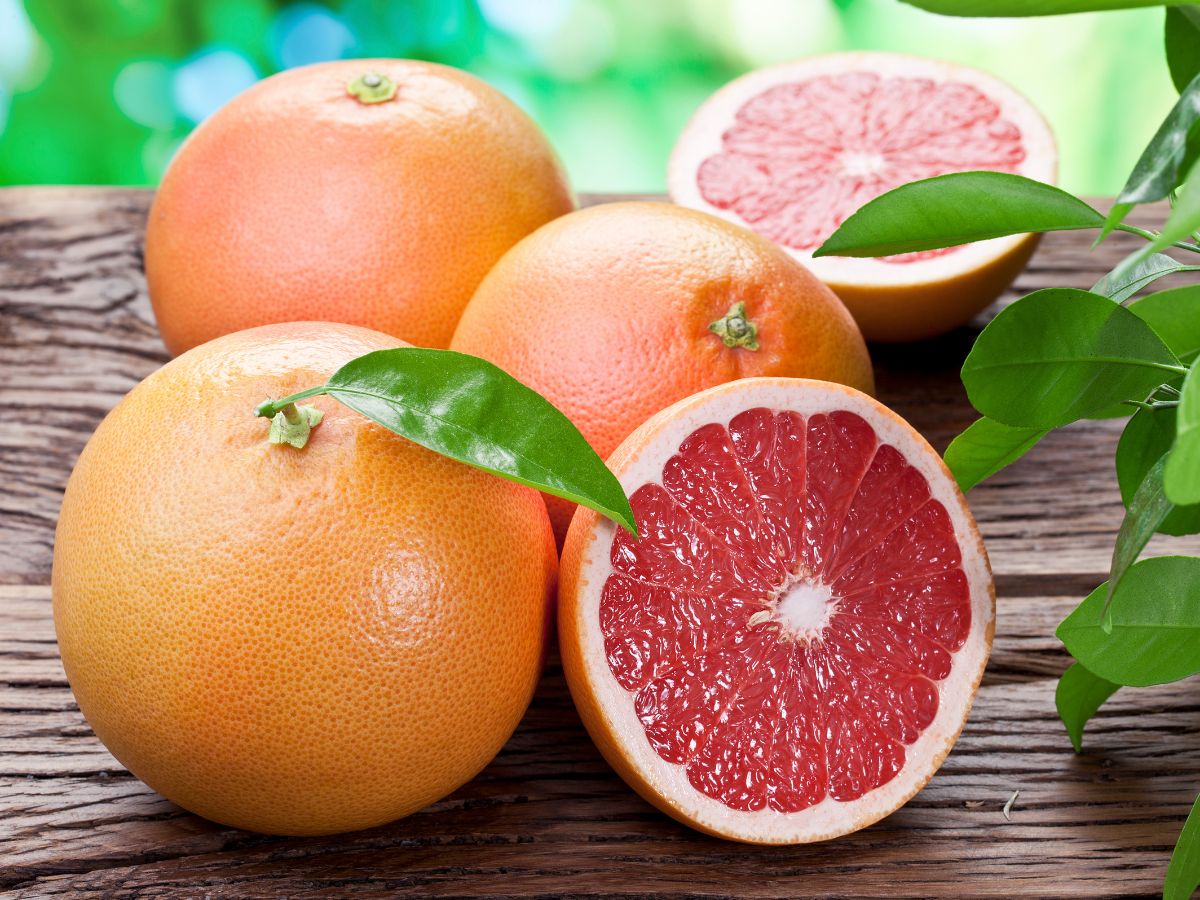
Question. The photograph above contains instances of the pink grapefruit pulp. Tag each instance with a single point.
(791, 646)
(790, 151)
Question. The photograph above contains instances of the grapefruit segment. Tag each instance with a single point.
(791, 646)
(790, 151)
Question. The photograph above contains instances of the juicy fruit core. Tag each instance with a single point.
(784, 622)
(801, 157)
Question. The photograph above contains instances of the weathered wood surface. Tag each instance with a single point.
(548, 818)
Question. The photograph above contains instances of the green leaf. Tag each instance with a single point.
(1116, 215)
(986, 447)
(1183, 872)
(1144, 514)
(1184, 217)
(470, 410)
(1182, 476)
(1166, 160)
(1062, 354)
(1174, 314)
(1029, 7)
(1155, 624)
(1079, 695)
(1181, 37)
(954, 209)
(1146, 439)
(1127, 279)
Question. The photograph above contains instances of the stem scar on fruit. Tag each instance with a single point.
(372, 87)
(735, 330)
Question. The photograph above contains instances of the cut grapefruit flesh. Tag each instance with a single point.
(791, 646)
(790, 151)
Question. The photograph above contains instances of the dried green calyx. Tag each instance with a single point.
(735, 330)
(372, 87)
(293, 424)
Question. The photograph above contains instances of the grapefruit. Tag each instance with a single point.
(376, 192)
(792, 150)
(293, 641)
(619, 310)
(792, 646)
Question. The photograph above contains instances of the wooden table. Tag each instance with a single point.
(548, 817)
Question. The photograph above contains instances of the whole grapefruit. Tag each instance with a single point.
(792, 648)
(293, 641)
(619, 310)
(376, 192)
(791, 150)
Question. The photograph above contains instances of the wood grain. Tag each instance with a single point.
(548, 818)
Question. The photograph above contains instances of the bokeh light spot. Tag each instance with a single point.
(306, 33)
(775, 31)
(210, 80)
(446, 23)
(582, 44)
(18, 41)
(157, 153)
(522, 18)
(143, 91)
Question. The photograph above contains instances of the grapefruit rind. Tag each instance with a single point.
(607, 709)
(963, 280)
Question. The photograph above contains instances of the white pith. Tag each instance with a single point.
(702, 139)
(802, 609)
(829, 818)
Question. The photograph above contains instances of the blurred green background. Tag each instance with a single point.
(103, 91)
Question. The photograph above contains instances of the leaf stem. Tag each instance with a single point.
(1152, 405)
(1167, 367)
(269, 408)
(1151, 235)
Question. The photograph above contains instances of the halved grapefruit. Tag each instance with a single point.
(791, 648)
(790, 151)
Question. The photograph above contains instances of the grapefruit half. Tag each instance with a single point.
(790, 151)
(791, 648)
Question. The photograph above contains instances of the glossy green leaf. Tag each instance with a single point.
(1174, 314)
(1116, 215)
(986, 447)
(1183, 872)
(1184, 217)
(1126, 280)
(470, 410)
(954, 209)
(1181, 38)
(1182, 476)
(1078, 697)
(1062, 354)
(1155, 624)
(1146, 439)
(1144, 514)
(1029, 7)
(1166, 160)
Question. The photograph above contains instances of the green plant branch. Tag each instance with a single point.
(1152, 405)
(1150, 236)
(269, 408)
